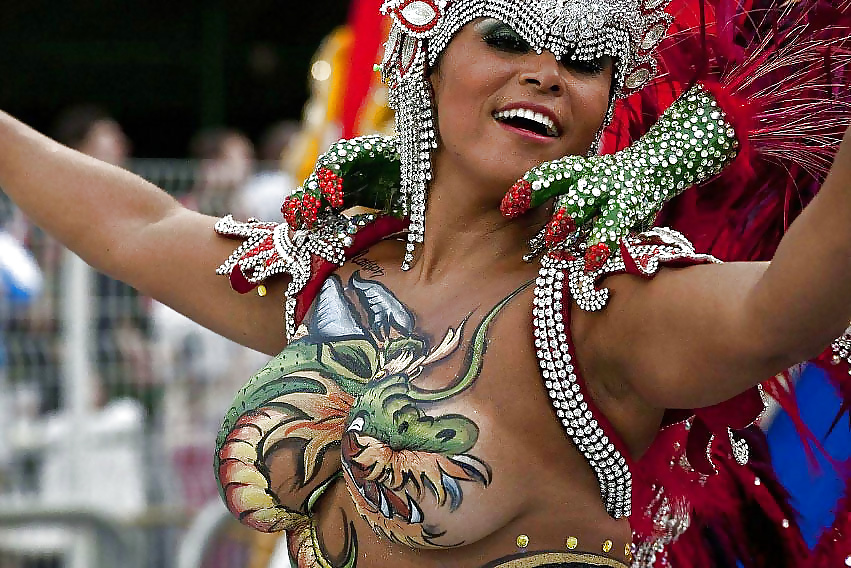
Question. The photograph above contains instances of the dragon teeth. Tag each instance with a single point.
(545, 121)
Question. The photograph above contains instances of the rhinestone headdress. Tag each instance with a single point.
(626, 30)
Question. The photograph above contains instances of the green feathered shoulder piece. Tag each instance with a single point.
(358, 172)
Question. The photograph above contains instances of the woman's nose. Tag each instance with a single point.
(544, 73)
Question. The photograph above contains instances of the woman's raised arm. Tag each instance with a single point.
(135, 232)
(693, 337)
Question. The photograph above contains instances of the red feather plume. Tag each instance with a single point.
(782, 73)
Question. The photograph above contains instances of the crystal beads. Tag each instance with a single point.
(582, 29)
(585, 30)
(559, 373)
(270, 249)
(691, 143)
(841, 348)
(563, 277)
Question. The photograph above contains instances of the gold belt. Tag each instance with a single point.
(555, 560)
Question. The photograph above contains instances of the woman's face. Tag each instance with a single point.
(503, 109)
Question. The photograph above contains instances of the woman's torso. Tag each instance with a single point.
(451, 452)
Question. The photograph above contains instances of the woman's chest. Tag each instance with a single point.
(444, 433)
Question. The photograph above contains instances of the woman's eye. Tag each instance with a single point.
(506, 39)
(587, 66)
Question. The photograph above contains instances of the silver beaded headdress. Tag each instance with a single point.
(626, 30)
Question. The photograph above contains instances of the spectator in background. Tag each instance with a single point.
(20, 282)
(122, 319)
(200, 369)
(92, 131)
(262, 195)
(226, 162)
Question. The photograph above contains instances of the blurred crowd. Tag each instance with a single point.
(157, 376)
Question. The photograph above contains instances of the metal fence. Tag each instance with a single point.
(109, 407)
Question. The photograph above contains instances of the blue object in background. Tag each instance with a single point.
(20, 280)
(814, 491)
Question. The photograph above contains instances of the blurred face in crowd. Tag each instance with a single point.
(107, 142)
(230, 166)
(237, 159)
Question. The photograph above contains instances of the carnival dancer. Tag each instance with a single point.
(478, 394)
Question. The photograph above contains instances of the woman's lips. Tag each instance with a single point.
(533, 122)
(527, 134)
(537, 113)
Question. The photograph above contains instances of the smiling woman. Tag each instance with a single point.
(484, 93)
(484, 396)
(491, 89)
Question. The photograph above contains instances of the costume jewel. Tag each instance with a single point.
(270, 249)
(360, 171)
(564, 277)
(741, 452)
(841, 349)
(559, 373)
(670, 519)
(627, 30)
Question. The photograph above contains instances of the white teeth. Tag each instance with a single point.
(541, 119)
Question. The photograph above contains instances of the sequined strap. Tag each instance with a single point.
(643, 255)
(563, 277)
(573, 404)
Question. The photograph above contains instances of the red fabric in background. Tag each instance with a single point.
(365, 23)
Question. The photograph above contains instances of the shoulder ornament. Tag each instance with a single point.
(567, 275)
(573, 404)
(642, 254)
(271, 249)
(362, 171)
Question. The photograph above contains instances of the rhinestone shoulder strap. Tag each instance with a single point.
(562, 278)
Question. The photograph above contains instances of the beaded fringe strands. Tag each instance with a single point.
(627, 30)
(404, 71)
(560, 379)
(415, 124)
(565, 276)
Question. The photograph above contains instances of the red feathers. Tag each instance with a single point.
(782, 73)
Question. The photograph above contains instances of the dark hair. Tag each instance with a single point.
(208, 144)
(75, 123)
